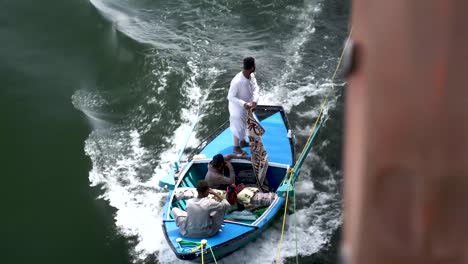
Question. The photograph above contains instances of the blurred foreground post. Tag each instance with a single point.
(406, 133)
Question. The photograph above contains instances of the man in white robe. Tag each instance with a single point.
(243, 95)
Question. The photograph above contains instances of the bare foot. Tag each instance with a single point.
(239, 151)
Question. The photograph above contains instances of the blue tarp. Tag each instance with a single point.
(275, 140)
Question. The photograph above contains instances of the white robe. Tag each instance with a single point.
(241, 91)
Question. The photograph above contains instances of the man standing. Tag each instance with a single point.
(243, 95)
(204, 216)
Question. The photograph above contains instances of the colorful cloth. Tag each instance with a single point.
(185, 193)
(252, 197)
(259, 154)
(261, 199)
(246, 195)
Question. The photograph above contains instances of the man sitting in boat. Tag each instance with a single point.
(204, 216)
(215, 175)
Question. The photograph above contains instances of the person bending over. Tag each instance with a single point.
(204, 216)
(215, 175)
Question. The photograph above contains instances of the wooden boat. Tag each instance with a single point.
(235, 233)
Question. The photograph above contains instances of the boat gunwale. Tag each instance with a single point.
(267, 217)
(194, 255)
(225, 125)
(189, 165)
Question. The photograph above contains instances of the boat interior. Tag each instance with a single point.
(244, 174)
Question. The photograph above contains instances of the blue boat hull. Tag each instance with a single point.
(234, 234)
(226, 248)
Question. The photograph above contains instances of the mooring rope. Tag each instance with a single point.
(284, 218)
(292, 173)
(201, 249)
(196, 246)
(212, 253)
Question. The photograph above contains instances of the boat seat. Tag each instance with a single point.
(189, 182)
(181, 204)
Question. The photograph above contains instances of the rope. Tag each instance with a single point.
(214, 258)
(195, 247)
(341, 57)
(295, 226)
(202, 260)
(317, 126)
(284, 219)
(293, 172)
(306, 148)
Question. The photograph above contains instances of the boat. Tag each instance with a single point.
(238, 231)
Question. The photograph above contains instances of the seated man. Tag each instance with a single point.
(215, 175)
(204, 216)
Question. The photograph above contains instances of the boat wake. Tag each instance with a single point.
(130, 152)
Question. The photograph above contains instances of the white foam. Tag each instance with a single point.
(118, 155)
(90, 103)
(115, 165)
(315, 221)
(184, 134)
(108, 12)
(278, 94)
(124, 22)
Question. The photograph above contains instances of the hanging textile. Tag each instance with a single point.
(259, 154)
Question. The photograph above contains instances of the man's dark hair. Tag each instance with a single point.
(202, 186)
(217, 161)
(249, 63)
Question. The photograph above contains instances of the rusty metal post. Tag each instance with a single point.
(406, 133)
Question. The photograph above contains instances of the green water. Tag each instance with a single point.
(77, 84)
(49, 212)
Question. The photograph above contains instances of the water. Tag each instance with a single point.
(98, 96)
